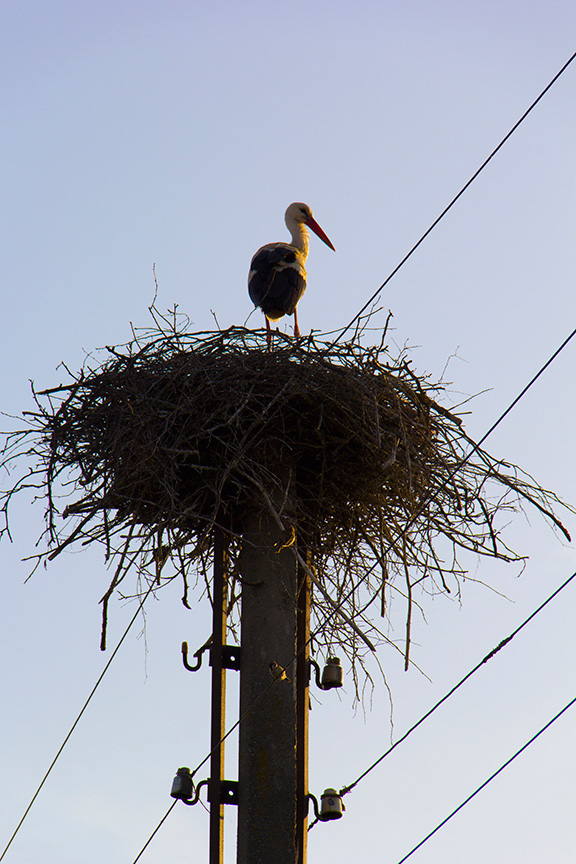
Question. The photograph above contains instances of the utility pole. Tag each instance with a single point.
(218, 718)
(272, 790)
(273, 752)
(222, 657)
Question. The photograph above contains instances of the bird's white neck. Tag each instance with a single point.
(300, 236)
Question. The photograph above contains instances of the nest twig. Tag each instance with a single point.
(176, 433)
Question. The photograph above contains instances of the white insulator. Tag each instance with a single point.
(331, 805)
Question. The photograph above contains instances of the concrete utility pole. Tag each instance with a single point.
(272, 797)
(218, 721)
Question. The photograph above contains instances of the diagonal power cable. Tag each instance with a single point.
(489, 780)
(457, 686)
(452, 202)
(153, 834)
(74, 725)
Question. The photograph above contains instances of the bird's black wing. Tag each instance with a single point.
(276, 290)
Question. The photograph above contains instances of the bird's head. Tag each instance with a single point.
(302, 214)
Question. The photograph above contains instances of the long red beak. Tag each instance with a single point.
(313, 225)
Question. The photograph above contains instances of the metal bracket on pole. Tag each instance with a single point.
(231, 656)
(228, 792)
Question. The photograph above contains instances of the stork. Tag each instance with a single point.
(277, 278)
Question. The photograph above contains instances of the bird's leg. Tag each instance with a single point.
(268, 334)
(296, 328)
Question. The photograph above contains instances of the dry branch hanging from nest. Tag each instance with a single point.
(174, 432)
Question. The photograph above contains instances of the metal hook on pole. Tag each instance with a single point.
(197, 654)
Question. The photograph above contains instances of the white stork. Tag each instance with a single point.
(277, 278)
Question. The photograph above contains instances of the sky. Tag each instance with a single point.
(174, 134)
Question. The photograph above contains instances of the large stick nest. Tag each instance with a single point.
(176, 434)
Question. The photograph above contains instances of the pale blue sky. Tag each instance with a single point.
(176, 133)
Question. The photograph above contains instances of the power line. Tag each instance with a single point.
(489, 780)
(453, 201)
(73, 727)
(151, 837)
(506, 641)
